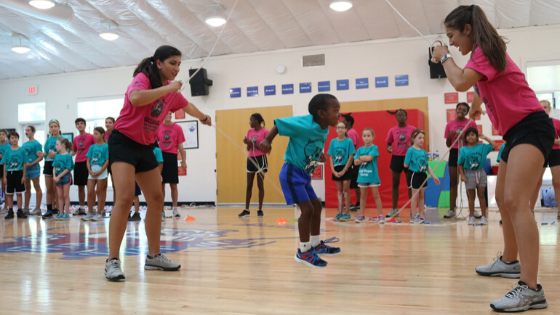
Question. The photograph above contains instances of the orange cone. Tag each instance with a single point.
(189, 219)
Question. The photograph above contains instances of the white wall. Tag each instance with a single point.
(350, 61)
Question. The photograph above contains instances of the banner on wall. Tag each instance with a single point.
(470, 97)
(324, 86)
(287, 89)
(318, 174)
(305, 87)
(234, 92)
(451, 98)
(362, 83)
(381, 82)
(252, 91)
(401, 80)
(269, 90)
(342, 84)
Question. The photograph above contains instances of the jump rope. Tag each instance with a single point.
(260, 168)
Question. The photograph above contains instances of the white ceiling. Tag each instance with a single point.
(255, 25)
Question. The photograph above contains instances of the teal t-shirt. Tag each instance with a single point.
(417, 160)
(98, 154)
(3, 148)
(474, 158)
(307, 141)
(341, 150)
(14, 160)
(159, 156)
(62, 162)
(50, 146)
(31, 148)
(500, 152)
(368, 170)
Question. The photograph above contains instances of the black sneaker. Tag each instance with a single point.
(244, 213)
(260, 213)
(356, 207)
(55, 211)
(10, 214)
(47, 215)
(21, 215)
(135, 217)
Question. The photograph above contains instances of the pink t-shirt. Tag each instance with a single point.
(140, 123)
(256, 137)
(107, 136)
(507, 95)
(169, 138)
(401, 138)
(556, 123)
(81, 146)
(355, 137)
(458, 126)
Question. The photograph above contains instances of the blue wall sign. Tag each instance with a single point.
(381, 82)
(234, 92)
(305, 87)
(362, 83)
(342, 84)
(252, 91)
(270, 90)
(287, 89)
(324, 86)
(401, 80)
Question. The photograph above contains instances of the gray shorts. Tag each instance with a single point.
(475, 179)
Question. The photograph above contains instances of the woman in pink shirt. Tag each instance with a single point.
(452, 131)
(529, 133)
(398, 142)
(148, 99)
(257, 162)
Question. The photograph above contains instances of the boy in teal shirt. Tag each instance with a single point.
(14, 160)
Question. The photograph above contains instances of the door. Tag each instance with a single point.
(232, 161)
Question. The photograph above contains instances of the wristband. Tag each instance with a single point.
(205, 119)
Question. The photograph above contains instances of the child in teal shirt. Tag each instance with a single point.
(14, 160)
(62, 166)
(341, 152)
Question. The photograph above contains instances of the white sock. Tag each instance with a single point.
(315, 240)
(174, 208)
(304, 246)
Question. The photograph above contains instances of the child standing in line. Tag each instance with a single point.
(366, 158)
(80, 148)
(416, 160)
(34, 152)
(341, 152)
(97, 162)
(14, 160)
(308, 135)
(62, 166)
(50, 153)
(4, 145)
(472, 158)
(136, 215)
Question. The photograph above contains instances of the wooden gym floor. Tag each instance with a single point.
(246, 266)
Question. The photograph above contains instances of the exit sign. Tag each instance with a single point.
(32, 90)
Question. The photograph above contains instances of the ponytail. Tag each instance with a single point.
(148, 66)
(484, 35)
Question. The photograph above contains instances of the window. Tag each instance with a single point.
(31, 112)
(544, 78)
(95, 111)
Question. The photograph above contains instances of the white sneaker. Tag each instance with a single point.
(449, 214)
(500, 268)
(477, 214)
(36, 212)
(88, 217)
(521, 298)
(160, 262)
(471, 221)
(97, 217)
(113, 270)
(483, 220)
(176, 213)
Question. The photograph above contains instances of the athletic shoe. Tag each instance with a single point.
(55, 211)
(21, 214)
(356, 207)
(25, 211)
(483, 220)
(477, 214)
(500, 221)
(381, 219)
(260, 213)
(346, 217)
(80, 211)
(420, 219)
(176, 213)
(309, 258)
(36, 211)
(244, 213)
(57, 216)
(135, 217)
(47, 215)
(88, 217)
(471, 221)
(103, 213)
(352, 207)
(113, 270)
(360, 219)
(4, 211)
(163, 217)
(500, 268)
(10, 214)
(449, 214)
(324, 249)
(394, 213)
(338, 216)
(160, 262)
(65, 217)
(97, 217)
(521, 298)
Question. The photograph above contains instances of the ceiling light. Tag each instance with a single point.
(110, 36)
(341, 6)
(20, 49)
(215, 21)
(42, 4)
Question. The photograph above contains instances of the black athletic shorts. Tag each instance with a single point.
(354, 172)
(14, 182)
(48, 169)
(346, 176)
(124, 149)
(80, 174)
(397, 163)
(170, 170)
(553, 158)
(536, 129)
(416, 180)
(261, 161)
(2, 171)
(453, 157)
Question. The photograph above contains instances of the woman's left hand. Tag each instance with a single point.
(438, 52)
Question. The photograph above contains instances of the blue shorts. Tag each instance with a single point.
(33, 171)
(64, 180)
(296, 185)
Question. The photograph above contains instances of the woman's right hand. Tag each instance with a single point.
(175, 86)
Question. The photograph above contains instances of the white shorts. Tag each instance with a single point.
(366, 185)
(96, 168)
